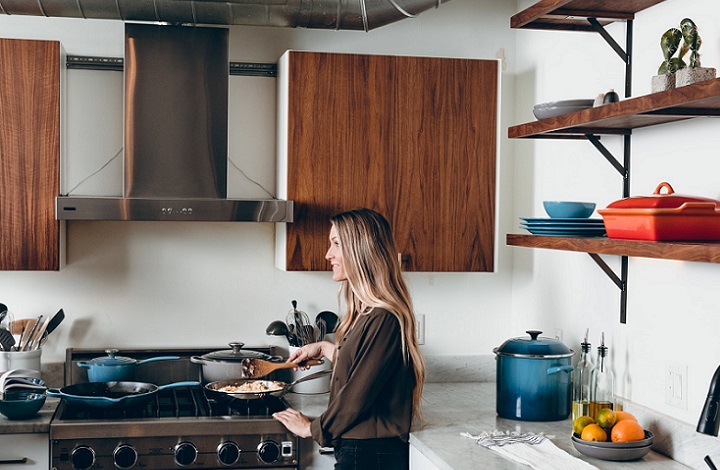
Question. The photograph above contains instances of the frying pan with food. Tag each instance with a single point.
(223, 390)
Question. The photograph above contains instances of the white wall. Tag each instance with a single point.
(141, 284)
(673, 315)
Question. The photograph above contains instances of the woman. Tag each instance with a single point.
(378, 370)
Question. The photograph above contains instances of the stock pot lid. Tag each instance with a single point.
(534, 346)
(235, 354)
(111, 359)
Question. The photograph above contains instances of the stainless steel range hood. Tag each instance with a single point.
(176, 134)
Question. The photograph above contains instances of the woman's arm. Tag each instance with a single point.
(314, 351)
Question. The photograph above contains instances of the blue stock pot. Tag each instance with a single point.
(533, 378)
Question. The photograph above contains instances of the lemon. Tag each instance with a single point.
(606, 418)
(580, 423)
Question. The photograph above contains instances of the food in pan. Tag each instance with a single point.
(252, 386)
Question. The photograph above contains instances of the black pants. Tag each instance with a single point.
(372, 454)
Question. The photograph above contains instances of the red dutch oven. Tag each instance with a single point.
(663, 217)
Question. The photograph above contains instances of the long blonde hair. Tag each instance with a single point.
(374, 279)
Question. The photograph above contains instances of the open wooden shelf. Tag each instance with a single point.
(572, 15)
(698, 99)
(681, 251)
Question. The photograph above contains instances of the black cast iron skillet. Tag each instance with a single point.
(112, 394)
(276, 388)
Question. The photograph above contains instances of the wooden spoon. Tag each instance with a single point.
(254, 368)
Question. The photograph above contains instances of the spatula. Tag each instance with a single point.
(254, 368)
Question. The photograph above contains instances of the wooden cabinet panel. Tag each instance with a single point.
(414, 138)
(29, 154)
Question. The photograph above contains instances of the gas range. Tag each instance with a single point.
(178, 428)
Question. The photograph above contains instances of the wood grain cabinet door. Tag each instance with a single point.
(412, 137)
(29, 154)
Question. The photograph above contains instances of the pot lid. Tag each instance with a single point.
(660, 200)
(534, 346)
(111, 359)
(235, 354)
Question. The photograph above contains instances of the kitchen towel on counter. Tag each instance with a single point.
(533, 450)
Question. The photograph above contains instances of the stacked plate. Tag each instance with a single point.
(618, 451)
(563, 227)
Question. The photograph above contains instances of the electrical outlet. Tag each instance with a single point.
(420, 328)
(676, 391)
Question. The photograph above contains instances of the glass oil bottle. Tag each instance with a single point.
(581, 381)
(602, 382)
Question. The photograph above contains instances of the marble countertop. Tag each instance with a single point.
(453, 408)
(38, 424)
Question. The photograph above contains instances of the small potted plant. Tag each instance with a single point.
(669, 43)
(674, 71)
(694, 72)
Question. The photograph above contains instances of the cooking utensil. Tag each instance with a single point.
(255, 368)
(112, 394)
(663, 217)
(28, 331)
(229, 364)
(54, 322)
(274, 387)
(533, 378)
(330, 319)
(113, 368)
(278, 328)
(300, 321)
(7, 340)
(34, 342)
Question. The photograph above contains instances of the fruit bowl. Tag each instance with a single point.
(617, 451)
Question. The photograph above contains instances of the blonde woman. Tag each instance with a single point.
(378, 371)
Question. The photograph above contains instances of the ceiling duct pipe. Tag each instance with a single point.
(360, 15)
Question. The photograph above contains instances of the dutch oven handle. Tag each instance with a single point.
(664, 185)
(556, 369)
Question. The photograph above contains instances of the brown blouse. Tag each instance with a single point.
(372, 385)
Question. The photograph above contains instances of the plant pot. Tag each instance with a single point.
(663, 82)
(688, 76)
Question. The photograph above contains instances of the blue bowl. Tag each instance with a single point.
(569, 209)
(21, 404)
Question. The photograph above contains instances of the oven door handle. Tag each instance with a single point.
(23, 460)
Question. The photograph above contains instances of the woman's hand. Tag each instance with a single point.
(313, 351)
(296, 422)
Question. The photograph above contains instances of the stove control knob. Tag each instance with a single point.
(82, 457)
(228, 453)
(269, 451)
(125, 456)
(185, 454)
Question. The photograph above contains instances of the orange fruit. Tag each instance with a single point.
(593, 432)
(606, 418)
(580, 423)
(627, 430)
(621, 415)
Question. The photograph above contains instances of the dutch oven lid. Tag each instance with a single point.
(659, 200)
(534, 346)
(111, 359)
(236, 354)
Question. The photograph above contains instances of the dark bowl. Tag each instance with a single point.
(616, 451)
(21, 404)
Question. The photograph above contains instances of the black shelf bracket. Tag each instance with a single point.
(620, 282)
(624, 54)
(622, 168)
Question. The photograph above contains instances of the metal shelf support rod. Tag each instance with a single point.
(620, 282)
(608, 156)
(625, 55)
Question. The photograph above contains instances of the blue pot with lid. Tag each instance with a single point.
(533, 378)
(114, 368)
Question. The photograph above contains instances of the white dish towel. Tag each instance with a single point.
(533, 450)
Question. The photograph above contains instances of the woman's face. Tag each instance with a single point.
(335, 256)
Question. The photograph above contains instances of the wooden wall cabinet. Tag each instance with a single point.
(412, 137)
(29, 154)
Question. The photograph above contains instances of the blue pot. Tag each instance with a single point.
(533, 379)
(113, 368)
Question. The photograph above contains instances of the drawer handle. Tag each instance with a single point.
(23, 460)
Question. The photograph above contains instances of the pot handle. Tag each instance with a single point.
(160, 358)
(53, 392)
(83, 364)
(179, 384)
(556, 369)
